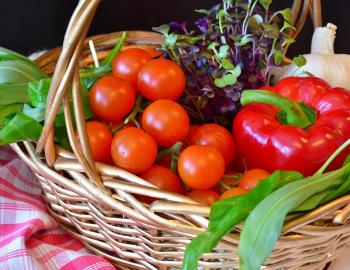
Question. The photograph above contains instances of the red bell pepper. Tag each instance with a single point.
(295, 125)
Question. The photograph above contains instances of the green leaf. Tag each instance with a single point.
(6, 54)
(203, 11)
(278, 55)
(221, 14)
(220, 82)
(255, 23)
(61, 138)
(287, 14)
(227, 64)
(20, 128)
(115, 51)
(227, 213)
(38, 91)
(299, 61)
(6, 112)
(286, 25)
(258, 18)
(18, 72)
(91, 76)
(13, 93)
(236, 71)
(244, 40)
(163, 29)
(223, 52)
(212, 46)
(86, 102)
(271, 30)
(230, 79)
(341, 191)
(263, 226)
(265, 3)
(313, 201)
(192, 39)
(287, 40)
(170, 40)
(38, 113)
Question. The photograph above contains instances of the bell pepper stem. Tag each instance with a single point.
(294, 113)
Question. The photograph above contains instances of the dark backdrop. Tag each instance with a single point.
(30, 25)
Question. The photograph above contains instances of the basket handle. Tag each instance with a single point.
(300, 11)
(66, 74)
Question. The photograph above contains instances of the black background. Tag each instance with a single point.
(30, 25)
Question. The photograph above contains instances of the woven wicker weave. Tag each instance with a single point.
(96, 202)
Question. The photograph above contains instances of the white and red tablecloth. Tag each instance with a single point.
(31, 240)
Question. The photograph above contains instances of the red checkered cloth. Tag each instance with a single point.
(29, 238)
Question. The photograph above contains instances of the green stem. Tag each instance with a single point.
(170, 152)
(115, 51)
(224, 186)
(294, 112)
(136, 110)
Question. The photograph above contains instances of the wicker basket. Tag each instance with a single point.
(96, 202)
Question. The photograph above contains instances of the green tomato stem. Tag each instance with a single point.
(136, 110)
(295, 114)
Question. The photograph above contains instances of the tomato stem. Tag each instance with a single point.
(137, 109)
(171, 152)
(294, 112)
(224, 186)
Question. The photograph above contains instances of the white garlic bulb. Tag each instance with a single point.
(322, 62)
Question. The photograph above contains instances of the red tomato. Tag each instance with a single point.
(218, 137)
(233, 192)
(166, 121)
(251, 178)
(163, 178)
(133, 150)
(201, 166)
(205, 196)
(161, 79)
(100, 140)
(128, 64)
(112, 98)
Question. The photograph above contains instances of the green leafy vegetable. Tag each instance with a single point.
(7, 111)
(299, 61)
(265, 3)
(18, 72)
(14, 93)
(6, 54)
(20, 128)
(38, 91)
(239, 33)
(263, 226)
(38, 113)
(225, 214)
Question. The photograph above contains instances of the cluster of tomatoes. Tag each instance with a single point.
(142, 129)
